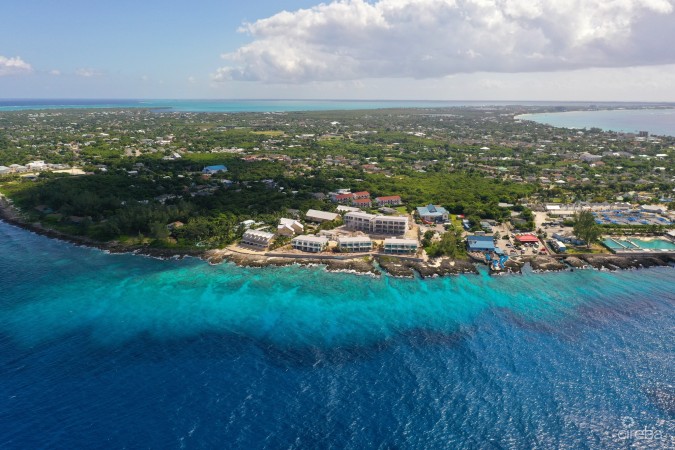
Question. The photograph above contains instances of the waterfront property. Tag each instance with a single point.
(396, 225)
(314, 215)
(358, 221)
(257, 238)
(370, 223)
(398, 246)
(355, 244)
(568, 238)
(289, 227)
(433, 213)
(309, 243)
(478, 243)
(635, 245)
(557, 246)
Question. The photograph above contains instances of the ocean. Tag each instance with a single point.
(124, 351)
(231, 106)
(227, 106)
(656, 121)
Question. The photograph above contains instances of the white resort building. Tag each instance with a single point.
(355, 244)
(390, 225)
(370, 223)
(400, 246)
(309, 243)
(358, 221)
(257, 238)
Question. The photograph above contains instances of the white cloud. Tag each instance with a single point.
(87, 73)
(14, 66)
(356, 39)
(55, 72)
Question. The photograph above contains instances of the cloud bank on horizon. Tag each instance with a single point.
(14, 66)
(357, 39)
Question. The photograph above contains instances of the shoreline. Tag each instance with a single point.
(372, 265)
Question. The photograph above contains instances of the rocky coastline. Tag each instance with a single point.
(366, 265)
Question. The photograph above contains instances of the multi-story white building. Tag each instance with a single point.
(355, 244)
(257, 238)
(358, 221)
(309, 243)
(400, 246)
(370, 223)
(396, 225)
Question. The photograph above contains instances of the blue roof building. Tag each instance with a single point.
(433, 213)
(214, 169)
(480, 243)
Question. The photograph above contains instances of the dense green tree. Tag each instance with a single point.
(585, 227)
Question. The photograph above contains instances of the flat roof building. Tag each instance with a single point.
(309, 243)
(399, 246)
(355, 244)
(371, 223)
(396, 225)
(358, 221)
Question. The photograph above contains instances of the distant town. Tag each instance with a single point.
(402, 186)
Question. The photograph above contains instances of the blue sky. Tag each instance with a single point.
(389, 49)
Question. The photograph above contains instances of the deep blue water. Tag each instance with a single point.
(655, 121)
(121, 351)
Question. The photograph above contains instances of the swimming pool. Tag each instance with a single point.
(638, 244)
(654, 244)
(612, 244)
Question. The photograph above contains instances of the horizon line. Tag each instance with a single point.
(327, 99)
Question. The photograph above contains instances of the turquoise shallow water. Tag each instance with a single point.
(119, 351)
(234, 105)
(655, 121)
(230, 106)
(119, 297)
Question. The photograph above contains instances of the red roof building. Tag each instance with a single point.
(527, 238)
(362, 202)
(362, 194)
(390, 200)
